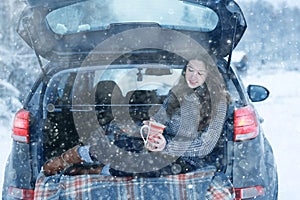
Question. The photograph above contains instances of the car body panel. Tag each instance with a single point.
(254, 167)
(18, 169)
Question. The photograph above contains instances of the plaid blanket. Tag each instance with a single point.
(196, 185)
(220, 188)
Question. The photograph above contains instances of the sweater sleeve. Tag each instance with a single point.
(191, 143)
(161, 115)
(84, 153)
(184, 125)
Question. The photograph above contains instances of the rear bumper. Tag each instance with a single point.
(254, 170)
(18, 173)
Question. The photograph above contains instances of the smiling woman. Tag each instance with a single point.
(86, 15)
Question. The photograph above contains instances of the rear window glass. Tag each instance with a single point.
(98, 15)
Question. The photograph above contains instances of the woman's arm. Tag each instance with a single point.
(200, 144)
(183, 125)
(161, 115)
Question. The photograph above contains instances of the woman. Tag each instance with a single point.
(187, 110)
(186, 113)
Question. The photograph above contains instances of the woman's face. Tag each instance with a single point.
(196, 73)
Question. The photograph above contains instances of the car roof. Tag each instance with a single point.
(35, 30)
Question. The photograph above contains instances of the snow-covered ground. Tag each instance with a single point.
(5, 145)
(281, 113)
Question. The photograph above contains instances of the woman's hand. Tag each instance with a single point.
(156, 142)
(146, 122)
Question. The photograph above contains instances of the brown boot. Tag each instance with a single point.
(86, 168)
(59, 163)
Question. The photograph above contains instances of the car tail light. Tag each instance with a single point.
(245, 124)
(21, 126)
(249, 192)
(19, 193)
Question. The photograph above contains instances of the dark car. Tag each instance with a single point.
(116, 61)
(240, 61)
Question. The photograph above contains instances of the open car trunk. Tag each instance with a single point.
(115, 98)
(122, 94)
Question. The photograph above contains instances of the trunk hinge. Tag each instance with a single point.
(232, 42)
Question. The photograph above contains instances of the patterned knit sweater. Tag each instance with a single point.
(182, 132)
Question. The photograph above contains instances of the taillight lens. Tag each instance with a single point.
(249, 192)
(20, 193)
(245, 124)
(21, 126)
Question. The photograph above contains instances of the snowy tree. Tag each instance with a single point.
(273, 33)
(16, 57)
